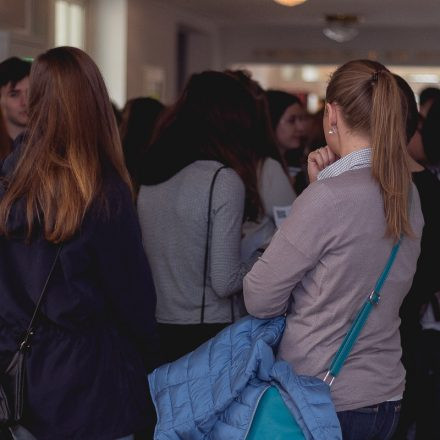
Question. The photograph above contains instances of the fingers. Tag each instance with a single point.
(331, 156)
(323, 157)
(318, 160)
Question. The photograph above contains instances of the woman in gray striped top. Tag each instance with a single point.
(214, 123)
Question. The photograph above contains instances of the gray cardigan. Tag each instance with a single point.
(174, 217)
(327, 256)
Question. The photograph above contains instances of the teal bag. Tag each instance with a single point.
(273, 420)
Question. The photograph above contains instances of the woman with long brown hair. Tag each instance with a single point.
(324, 261)
(66, 202)
(199, 184)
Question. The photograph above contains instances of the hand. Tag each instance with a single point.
(318, 160)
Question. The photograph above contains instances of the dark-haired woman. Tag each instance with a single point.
(288, 120)
(329, 253)
(274, 187)
(66, 190)
(197, 272)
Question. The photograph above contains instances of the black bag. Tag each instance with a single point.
(12, 385)
(12, 381)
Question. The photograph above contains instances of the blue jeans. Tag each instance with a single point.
(376, 422)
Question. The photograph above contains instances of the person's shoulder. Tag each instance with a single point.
(114, 198)
(114, 187)
(353, 184)
(230, 181)
(270, 164)
(224, 175)
(320, 189)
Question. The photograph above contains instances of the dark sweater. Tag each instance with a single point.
(86, 371)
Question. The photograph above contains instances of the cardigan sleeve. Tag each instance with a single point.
(226, 269)
(295, 249)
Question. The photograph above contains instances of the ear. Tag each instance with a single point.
(332, 113)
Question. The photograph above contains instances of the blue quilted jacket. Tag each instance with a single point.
(212, 393)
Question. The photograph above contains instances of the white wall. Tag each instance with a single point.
(26, 27)
(152, 42)
(107, 44)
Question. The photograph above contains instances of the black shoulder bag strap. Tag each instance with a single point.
(205, 271)
(26, 342)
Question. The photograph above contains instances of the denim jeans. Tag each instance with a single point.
(376, 422)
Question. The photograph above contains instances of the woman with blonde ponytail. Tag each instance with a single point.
(328, 254)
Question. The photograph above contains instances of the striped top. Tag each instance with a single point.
(357, 159)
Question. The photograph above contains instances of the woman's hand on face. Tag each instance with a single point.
(318, 160)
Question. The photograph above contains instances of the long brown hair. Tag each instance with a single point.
(215, 118)
(72, 137)
(372, 104)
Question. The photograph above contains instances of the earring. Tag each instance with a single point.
(333, 130)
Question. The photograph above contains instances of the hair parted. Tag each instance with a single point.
(72, 139)
(372, 104)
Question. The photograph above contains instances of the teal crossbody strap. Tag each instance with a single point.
(361, 318)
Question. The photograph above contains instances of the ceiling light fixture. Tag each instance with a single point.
(289, 2)
(341, 27)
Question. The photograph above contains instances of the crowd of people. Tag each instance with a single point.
(148, 231)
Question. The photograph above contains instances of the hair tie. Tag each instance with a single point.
(375, 76)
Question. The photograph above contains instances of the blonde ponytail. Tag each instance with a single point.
(390, 161)
(372, 104)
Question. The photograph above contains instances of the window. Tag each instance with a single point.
(69, 23)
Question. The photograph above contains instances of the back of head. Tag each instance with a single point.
(72, 139)
(13, 70)
(265, 142)
(215, 118)
(278, 102)
(372, 105)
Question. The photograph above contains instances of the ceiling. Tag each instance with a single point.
(410, 13)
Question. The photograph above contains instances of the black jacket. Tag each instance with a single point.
(86, 370)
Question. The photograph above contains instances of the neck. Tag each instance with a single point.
(14, 130)
(350, 143)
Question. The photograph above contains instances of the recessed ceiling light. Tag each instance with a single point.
(289, 2)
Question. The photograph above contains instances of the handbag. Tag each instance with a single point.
(273, 419)
(13, 380)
